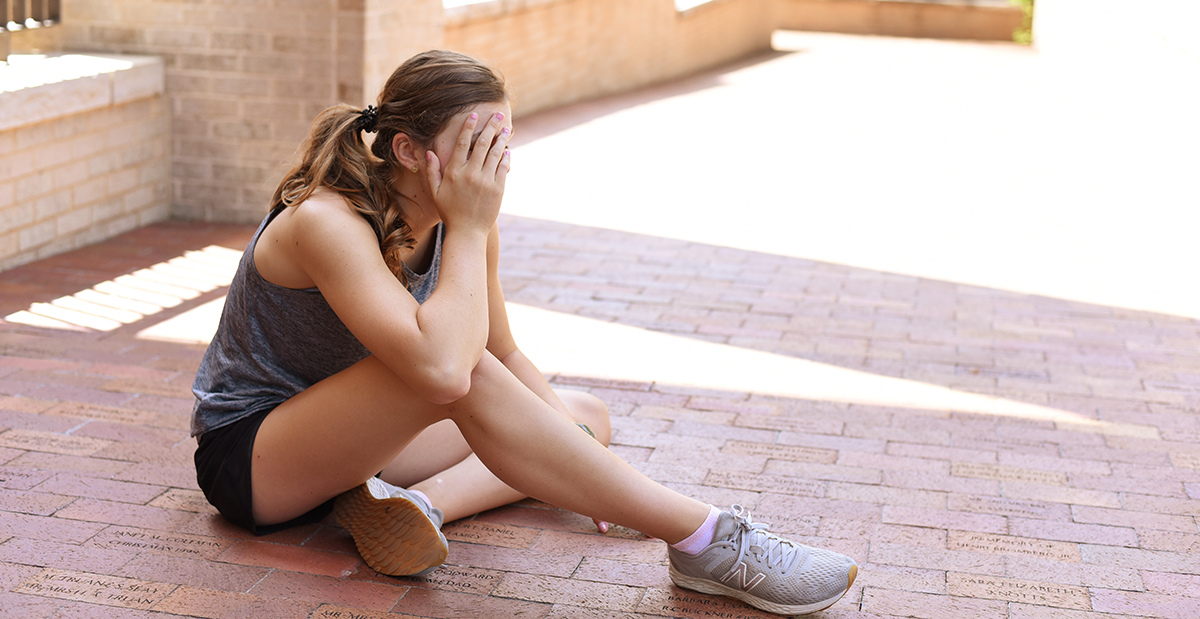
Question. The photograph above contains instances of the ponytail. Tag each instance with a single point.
(335, 156)
(418, 100)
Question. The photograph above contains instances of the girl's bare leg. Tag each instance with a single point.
(339, 432)
(440, 464)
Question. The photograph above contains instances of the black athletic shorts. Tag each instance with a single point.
(223, 471)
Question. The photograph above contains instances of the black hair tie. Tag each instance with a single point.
(367, 119)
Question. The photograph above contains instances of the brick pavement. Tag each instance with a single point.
(1043, 462)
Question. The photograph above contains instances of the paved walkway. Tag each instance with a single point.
(983, 451)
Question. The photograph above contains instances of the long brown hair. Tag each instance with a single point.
(420, 97)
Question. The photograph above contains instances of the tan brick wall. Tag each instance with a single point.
(987, 21)
(559, 51)
(75, 180)
(244, 81)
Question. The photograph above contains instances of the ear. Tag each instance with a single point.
(407, 152)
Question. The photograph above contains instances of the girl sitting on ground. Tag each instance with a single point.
(364, 362)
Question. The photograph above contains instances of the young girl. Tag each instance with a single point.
(364, 362)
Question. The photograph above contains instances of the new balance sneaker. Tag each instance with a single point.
(396, 532)
(770, 573)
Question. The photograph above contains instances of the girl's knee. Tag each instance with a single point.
(589, 410)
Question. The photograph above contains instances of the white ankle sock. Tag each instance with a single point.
(698, 541)
(428, 503)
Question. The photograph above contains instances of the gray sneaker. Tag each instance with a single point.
(764, 570)
(393, 530)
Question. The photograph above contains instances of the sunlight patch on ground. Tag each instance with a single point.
(976, 163)
(574, 345)
(131, 298)
(578, 346)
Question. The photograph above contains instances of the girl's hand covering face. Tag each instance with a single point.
(469, 191)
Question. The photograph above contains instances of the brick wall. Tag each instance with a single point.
(992, 20)
(244, 81)
(82, 160)
(572, 50)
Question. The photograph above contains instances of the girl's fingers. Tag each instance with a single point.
(496, 153)
(462, 147)
(504, 166)
(433, 171)
(484, 142)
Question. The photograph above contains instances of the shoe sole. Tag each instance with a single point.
(393, 535)
(704, 585)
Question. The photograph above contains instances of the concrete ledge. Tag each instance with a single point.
(986, 20)
(461, 12)
(35, 88)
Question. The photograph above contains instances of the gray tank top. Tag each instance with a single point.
(274, 342)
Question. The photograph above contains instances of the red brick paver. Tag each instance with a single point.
(980, 452)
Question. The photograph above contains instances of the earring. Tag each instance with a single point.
(415, 169)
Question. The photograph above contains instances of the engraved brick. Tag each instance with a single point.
(96, 588)
(780, 452)
(21, 478)
(1008, 507)
(803, 425)
(1014, 590)
(765, 483)
(688, 605)
(31, 440)
(1007, 473)
(490, 533)
(1011, 545)
(134, 539)
(439, 603)
(333, 611)
(926, 606)
(104, 413)
(830, 472)
(461, 579)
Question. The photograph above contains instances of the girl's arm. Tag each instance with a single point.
(433, 346)
(500, 339)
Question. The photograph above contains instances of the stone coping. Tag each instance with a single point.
(462, 11)
(35, 88)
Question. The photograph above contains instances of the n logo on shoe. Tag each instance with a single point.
(743, 570)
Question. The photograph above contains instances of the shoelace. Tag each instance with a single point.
(753, 537)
